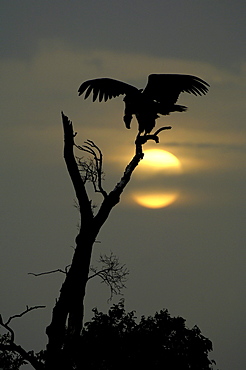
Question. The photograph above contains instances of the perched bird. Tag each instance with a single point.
(158, 97)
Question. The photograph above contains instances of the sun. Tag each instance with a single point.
(155, 200)
(155, 164)
(159, 160)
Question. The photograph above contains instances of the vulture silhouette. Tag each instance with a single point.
(158, 97)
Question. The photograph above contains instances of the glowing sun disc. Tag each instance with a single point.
(160, 159)
(155, 200)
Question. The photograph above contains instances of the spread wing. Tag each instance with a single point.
(165, 88)
(106, 88)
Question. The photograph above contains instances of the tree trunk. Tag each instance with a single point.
(67, 316)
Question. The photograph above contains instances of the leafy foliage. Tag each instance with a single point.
(117, 340)
(160, 342)
(9, 360)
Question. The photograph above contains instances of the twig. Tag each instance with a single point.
(161, 129)
(93, 171)
(113, 274)
(142, 139)
(28, 309)
(50, 272)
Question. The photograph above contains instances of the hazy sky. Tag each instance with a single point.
(188, 257)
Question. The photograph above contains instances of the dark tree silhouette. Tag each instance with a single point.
(67, 317)
(64, 331)
(159, 96)
(9, 358)
(12, 355)
(119, 340)
(158, 342)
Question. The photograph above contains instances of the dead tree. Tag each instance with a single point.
(67, 316)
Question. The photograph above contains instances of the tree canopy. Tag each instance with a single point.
(116, 340)
(158, 342)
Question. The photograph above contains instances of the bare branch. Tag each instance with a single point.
(112, 274)
(50, 272)
(142, 139)
(161, 129)
(92, 169)
(28, 309)
(83, 200)
(9, 329)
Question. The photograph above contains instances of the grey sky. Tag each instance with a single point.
(203, 30)
(188, 257)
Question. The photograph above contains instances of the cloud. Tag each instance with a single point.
(52, 76)
(38, 89)
(55, 63)
(127, 65)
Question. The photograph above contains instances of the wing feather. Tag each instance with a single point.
(165, 88)
(105, 88)
(88, 92)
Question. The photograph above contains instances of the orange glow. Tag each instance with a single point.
(161, 160)
(155, 200)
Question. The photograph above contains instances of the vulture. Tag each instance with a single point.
(158, 97)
